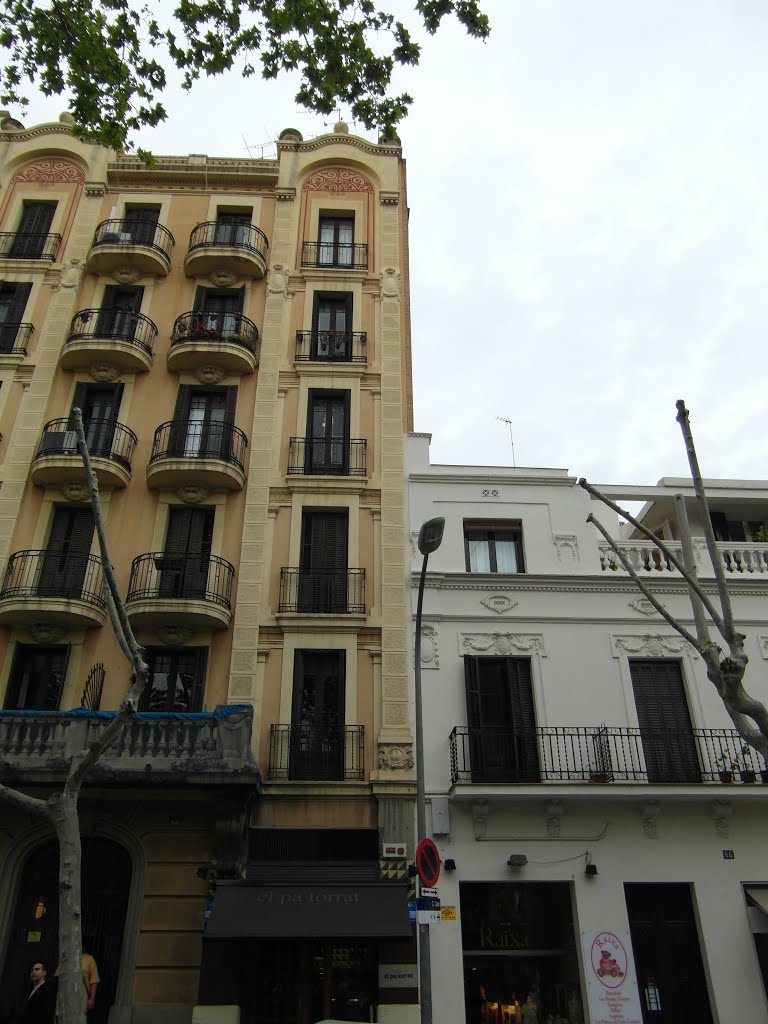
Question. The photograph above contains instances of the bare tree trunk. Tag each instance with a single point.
(67, 824)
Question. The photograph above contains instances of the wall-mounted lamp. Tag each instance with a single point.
(590, 869)
(517, 860)
(449, 864)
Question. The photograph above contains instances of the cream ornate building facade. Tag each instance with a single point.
(236, 333)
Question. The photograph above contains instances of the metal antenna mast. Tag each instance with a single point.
(508, 421)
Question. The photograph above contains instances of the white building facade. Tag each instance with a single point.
(603, 834)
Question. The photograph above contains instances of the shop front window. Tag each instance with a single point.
(519, 950)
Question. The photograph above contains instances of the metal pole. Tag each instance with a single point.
(425, 972)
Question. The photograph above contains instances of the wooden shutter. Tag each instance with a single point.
(120, 297)
(17, 302)
(45, 669)
(501, 719)
(37, 218)
(65, 565)
(665, 722)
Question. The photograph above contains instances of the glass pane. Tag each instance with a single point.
(506, 554)
(479, 554)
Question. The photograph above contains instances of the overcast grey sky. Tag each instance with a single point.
(589, 229)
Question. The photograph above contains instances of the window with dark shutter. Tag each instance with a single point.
(186, 559)
(218, 311)
(332, 326)
(67, 555)
(327, 448)
(140, 223)
(501, 719)
(13, 302)
(317, 722)
(176, 679)
(665, 723)
(99, 405)
(203, 421)
(323, 566)
(37, 678)
(32, 232)
(119, 306)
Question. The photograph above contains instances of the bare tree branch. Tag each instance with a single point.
(702, 630)
(24, 802)
(642, 587)
(690, 580)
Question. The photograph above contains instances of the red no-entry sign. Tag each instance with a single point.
(427, 863)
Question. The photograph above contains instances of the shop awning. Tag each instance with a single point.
(359, 910)
(759, 894)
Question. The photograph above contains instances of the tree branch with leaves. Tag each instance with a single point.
(60, 809)
(109, 56)
(725, 670)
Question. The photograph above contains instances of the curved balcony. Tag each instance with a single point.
(142, 245)
(331, 347)
(170, 588)
(205, 454)
(227, 339)
(110, 444)
(53, 586)
(238, 248)
(120, 336)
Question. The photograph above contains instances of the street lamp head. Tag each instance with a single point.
(431, 535)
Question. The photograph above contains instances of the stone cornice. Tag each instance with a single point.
(375, 149)
(503, 477)
(603, 584)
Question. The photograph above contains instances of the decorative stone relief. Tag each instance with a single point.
(277, 280)
(763, 641)
(430, 651)
(650, 818)
(395, 757)
(498, 603)
(480, 818)
(126, 275)
(501, 644)
(387, 198)
(74, 490)
(210, 374)
(337, 179)
(223, 279)
(46, 633)
(390, 283)
(553, 811)
(643, 605)
(721, 816)
(650, 645)
(105, 373)
(50, 172)
(567, 547)
(70, 276)
(175, 634)
(192, 494)
(241, 687)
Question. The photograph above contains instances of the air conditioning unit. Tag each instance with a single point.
(393, 850)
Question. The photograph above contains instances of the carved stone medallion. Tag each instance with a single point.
(395, 757)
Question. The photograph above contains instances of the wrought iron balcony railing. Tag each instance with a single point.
(205, 327)
(107, 439)
(230, 236)
(331, 347)
(114, 325)
(316, 753)
(337, 456)
(601, 754)
(180, 575)
(134, 232)
(75, 575)
(335, 255)
(196, 439)
(213, 742)
(29, 245)
(14, 338)
(325, 591)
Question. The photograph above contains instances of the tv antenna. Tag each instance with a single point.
(508, 421)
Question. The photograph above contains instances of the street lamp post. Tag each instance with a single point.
(430, 538)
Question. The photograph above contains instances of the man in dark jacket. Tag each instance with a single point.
(40, 1005)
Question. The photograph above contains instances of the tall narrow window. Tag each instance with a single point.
(665, 723)
(185, 563)
(32, 232)
(328, 432)
(336, 241)
(37, 678)
(317, 725)
(140, 223)
(67, 554)
(501, 720)
(332, 327)
(203, 422)
(323, 566)
(13, 302)
(493, 545)
(117, 317)
(176, 679)
(99, 404)
(218, 311)
(233, 227)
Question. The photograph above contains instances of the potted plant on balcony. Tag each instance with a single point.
(725, 767)
(746, 765)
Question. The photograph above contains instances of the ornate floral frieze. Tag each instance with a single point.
(498, 603)
(643, 605)
(501, 644)
(650, 645)
(337, 179)
(395, 757)
(50, 172)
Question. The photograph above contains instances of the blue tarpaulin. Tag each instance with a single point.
(222, 711)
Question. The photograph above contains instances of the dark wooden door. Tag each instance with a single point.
(501, 719)
(336, 241)
(140, 223)
(32, 233)
(99, 405)
(218, 310)
(37, 677)
(117, 317)
(66, 561)
(187, 555)
(202, 422)
(665, 722)
(331, 337)
(13, 302)
(323, 565)
(317, 723)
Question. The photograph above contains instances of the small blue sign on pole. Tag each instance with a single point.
(412, 911)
